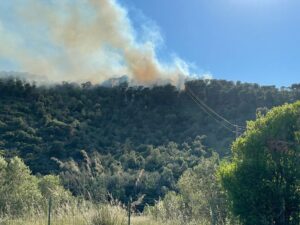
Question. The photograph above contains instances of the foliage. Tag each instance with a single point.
(172, 207)
(107, 215)
(263, 179)
(202, 192)
(157, 172)
(38, 122)
(21, 192)
(123, 131)
(19, 189)
(50, 187)
(200, 199)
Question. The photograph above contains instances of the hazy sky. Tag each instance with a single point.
(247, 40)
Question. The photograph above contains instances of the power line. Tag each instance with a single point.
(208, 113)
(214, 114)
(211, 110)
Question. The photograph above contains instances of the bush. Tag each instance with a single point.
(22, 193)
(263, 179)
(19, 191)
(110, 215)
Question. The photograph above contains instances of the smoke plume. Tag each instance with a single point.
(82, 40)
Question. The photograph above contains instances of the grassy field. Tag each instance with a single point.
(79, 220)
(104, 215)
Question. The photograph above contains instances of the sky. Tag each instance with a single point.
(248, 40)
(253, 41)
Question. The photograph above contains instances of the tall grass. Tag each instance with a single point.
(81, 214)
(73, 213)
(86, 213)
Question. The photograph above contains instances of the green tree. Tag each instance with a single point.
(19, 189)
(50, 187)
(263, 179)
(22, 193)
(200, 198)
(202, 192)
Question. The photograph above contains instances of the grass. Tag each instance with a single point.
(137, 220)
(79, 220)
(86, 213)
(83, 215)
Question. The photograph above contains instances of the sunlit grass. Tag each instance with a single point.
(102, 215)
(85, 213)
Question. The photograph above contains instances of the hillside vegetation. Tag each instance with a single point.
(105, 139)
(259, 185)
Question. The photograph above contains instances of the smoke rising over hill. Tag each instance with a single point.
(82, 40)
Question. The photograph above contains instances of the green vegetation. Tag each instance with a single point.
(130, 129)
(89, 145)
(263, 179)
(200, 199)
(22, 193)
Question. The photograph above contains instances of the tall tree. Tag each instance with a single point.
(263, 179)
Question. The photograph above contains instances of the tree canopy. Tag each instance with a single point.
(124, 130)
(21, 192)
(263, 179)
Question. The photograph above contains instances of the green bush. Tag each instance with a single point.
(19, 191)
(263, 179)
(200, 198)
(22, 193)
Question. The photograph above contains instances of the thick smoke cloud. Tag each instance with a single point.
(83, 40)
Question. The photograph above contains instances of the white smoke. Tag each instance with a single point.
(83, 40)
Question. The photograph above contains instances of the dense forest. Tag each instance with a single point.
(124, 112)
(110, 137)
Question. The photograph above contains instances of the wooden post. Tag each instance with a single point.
(129, 211)
(49, 211)
(212, 215)
(236, 131)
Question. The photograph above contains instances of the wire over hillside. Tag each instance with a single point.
(234, 128)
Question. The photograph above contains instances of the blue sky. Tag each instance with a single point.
(248, 40)
(255, 41)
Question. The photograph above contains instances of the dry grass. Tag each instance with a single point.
(86, 214)
(71, 214)
(144, 220)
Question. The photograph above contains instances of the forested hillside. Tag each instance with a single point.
(123, 132)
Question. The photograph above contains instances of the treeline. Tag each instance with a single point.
(126, 131)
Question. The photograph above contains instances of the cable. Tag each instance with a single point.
(190, 92)
(214, 114)
(210, 109)
(205, 110)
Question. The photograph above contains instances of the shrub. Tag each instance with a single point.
(21, 192)
(110, 215)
